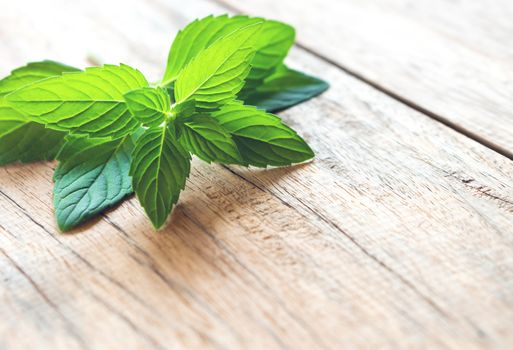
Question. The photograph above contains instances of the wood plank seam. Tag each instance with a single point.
(152, 266)
(439, 118)
(382, 264)
(223, 247)
(300, 321)
(406, 102)
(69, 324)
(353, 240)
(161, 276)
(173, 285)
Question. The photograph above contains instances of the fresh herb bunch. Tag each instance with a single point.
(113, 133)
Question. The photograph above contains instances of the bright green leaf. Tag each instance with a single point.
(271, 44)
(285, 88)
(160, 167)
(31, 73)
(89, 102)
(217, 74)
(20, 139)
(149, 105)
(197, 36)
(262, 138)
(92, 176)
(203, 136)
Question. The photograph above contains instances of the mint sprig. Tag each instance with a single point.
(113, 133)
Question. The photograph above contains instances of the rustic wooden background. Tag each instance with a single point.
(398, 236)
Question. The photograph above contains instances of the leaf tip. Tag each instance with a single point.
(64, 226)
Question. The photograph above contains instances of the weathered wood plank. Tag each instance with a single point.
(398, 235)
(451, 58)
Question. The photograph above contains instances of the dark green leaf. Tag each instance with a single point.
(285, 88)
(92, 176)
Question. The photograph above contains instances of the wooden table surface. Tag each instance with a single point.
(399, 235)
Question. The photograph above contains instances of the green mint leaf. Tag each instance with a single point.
(91, 177)
(149, 105)
(203, 136)
(271, 44)
(31, 73)
(89, 102)
(22, 141)
(197, 36)
(159, 169)
(262, 138)
(217, 74)
(284, 89)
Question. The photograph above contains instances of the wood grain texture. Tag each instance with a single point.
(449, 58)
(397, 236)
